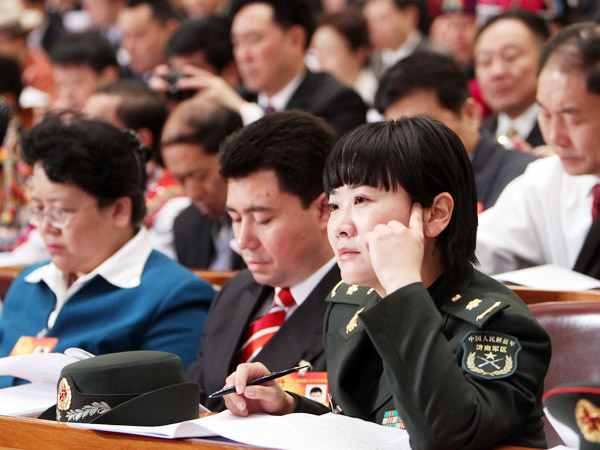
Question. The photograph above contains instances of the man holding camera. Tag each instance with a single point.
(270, 38)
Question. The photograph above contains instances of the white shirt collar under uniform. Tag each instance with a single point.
(123, 269)
(280, 100)
(523, 124)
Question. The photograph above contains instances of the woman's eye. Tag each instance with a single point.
(332, 206)
(359, 200)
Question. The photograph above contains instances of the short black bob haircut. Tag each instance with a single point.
(294, 144)
(576, 48)
(98, 158)
(425, 158)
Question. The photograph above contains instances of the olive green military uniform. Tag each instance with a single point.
(460, 365)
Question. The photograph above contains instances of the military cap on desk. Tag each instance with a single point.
(577, 406)
(145, 388)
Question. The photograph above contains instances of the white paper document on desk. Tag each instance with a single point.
(43, 370)
(550, 277)
(289, 432)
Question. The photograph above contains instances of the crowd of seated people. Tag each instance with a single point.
(223, 114)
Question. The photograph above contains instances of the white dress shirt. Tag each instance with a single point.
(541, 217)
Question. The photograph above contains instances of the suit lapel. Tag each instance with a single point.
(588, 261)
(250, 299)
(302, 95)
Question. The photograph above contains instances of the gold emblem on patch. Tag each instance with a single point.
(352, 289)
(588, 420)
(354, 321)
(63, 401)
(370, 290)
(473, 304)
(456, 298)
(335, 288)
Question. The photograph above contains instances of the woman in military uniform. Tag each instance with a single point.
(416, 338)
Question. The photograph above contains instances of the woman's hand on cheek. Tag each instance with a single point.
(396, 251)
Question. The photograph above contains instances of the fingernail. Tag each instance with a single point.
(240, 406)
(250, 390)
(239, 389)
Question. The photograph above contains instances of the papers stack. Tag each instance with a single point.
(43, 371)
(289, 432)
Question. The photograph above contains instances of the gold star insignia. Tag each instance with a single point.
(456, 298)
(490, 355)
(352, 289)
(473, 304)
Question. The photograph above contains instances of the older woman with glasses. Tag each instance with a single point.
(104, 289)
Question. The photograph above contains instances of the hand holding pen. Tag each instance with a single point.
(252, 389)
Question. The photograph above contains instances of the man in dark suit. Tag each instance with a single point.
(433, 84)
(190, 140)
(507, 51)
(279, 212)
(270, 38)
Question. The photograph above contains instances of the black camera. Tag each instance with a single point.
(173, 92)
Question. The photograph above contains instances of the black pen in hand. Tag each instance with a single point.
(261, 380)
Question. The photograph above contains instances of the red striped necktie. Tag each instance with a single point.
(596, 201)
(263, 329)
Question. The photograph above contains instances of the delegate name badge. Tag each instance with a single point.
(489, 355)
(29, 345)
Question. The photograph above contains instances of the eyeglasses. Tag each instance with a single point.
(58, 218)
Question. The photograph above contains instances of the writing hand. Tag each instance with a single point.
(266, 398)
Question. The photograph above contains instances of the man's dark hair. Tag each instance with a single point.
(576, 48)
(424, 20)
(425, 158)
(140, 107)
(424, 70)
(206, 123)
(351, 24)
(10, 81)
(208, 34)
(162, 10)
(294, 144)
(84, 49)
(286, 13)
(534, 23)
(100, 159)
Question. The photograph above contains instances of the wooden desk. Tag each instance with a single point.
(25, 434)
(34, 434)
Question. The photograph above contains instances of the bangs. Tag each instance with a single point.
(363, 157)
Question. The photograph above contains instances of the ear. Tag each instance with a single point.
(231, 74)
(438, 215)
(109, 74)
(472, 111)
(412, 12)
(321, 204)
(146, 137)
(297, 37)
(121, 213)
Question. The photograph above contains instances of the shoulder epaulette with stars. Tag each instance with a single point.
(472, 308)
(349, 293)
